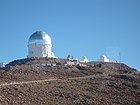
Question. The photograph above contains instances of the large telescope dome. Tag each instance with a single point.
(39, 37)
(39, 45)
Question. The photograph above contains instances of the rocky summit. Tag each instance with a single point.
(43, 81)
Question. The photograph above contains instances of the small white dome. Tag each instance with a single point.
(103, 58)
(39, 37)
(84, 59)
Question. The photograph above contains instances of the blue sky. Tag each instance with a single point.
(78, 27)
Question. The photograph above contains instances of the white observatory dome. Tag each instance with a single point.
(103, 58)
(39, 45)
(39, 37)
(84, 59)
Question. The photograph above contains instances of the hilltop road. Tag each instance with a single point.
(41, 81)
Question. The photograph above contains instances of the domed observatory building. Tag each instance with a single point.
(84, 59)
(39, 45)
(103, 58)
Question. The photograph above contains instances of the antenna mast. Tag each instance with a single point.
(119, 57)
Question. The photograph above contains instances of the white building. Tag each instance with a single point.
(84, 59)
(103, 58)
(2, 64)
(39, 45)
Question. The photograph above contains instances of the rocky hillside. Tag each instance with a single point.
(42, 81)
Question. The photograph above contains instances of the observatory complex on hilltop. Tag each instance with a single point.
(39, 45)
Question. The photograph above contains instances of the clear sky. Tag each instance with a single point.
(78, 27)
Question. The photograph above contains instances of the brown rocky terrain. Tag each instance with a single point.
(42, 81)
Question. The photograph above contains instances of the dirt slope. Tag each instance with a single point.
(24, 83)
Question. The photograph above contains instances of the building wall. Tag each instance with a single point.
(39, 50)
(2, 64)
